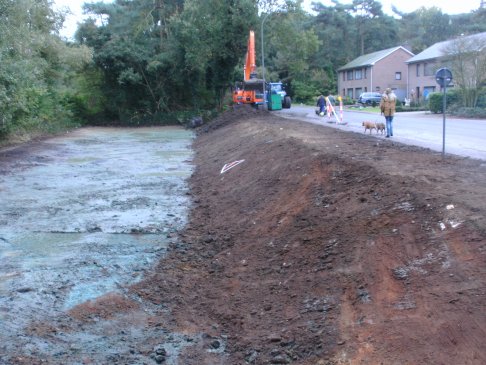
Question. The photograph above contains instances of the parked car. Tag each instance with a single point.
(371, 98)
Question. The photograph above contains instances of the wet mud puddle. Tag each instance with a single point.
(84, 215)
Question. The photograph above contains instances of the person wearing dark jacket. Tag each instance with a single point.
(321, 103)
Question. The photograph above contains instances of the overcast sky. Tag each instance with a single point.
(408, 6)
(447, 6)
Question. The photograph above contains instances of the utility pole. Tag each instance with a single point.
(263, 63)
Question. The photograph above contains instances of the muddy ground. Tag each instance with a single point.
(322, 247)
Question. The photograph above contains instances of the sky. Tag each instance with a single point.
(408, 6)
(71, 22)
(447, 6)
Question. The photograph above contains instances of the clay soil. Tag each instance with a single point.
(322, 247)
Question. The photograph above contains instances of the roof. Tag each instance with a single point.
(371, 58)
(437, 49)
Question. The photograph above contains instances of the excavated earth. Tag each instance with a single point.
(321, 247)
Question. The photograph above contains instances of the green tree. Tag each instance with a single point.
(163, 56)
(367, 16)
(34, 67)
(290, 45)
(212, 36)
(424, 27)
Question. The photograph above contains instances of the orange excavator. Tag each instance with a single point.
(251, 90)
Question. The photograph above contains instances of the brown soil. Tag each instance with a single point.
(322, 247)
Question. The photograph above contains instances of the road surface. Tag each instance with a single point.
(463, 137)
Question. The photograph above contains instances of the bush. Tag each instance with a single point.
(482, 99)
(303, 93)
(348, 101)
(436, 100)
(475, 113)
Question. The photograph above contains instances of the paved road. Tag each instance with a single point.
(463, 137)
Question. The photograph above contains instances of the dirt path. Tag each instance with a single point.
(321, 247)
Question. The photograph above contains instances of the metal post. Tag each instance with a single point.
(443, 121)
(443, 76)
(265, 106)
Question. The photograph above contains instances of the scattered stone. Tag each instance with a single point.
(215, 344)
(400, 273)
(280, 359)
(251, 356)
(195, 122)
(274, 338)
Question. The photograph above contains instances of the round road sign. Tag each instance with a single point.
(443, 76)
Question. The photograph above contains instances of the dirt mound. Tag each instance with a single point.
(234, 114)
(326, 247)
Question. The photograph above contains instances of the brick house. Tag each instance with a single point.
(375, 72)
(423, 66)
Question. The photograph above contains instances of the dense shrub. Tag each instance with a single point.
(418, 108)
(436, 100)
(454, 104)
(304, 93)
(475, 113)
(482, 99)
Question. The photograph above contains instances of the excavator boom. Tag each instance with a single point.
(251, 89)
(250, 66)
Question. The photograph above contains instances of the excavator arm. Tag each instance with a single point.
(251, 89)
(250, 80)
(250, 65)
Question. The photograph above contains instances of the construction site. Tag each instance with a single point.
(293, 244)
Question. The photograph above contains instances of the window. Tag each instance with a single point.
(344, 76)
(366, 73)
(417, 69)
(358, 75)
(398, 75)
(350, 93)
(429, 69)
(350, 75)
(358, 91)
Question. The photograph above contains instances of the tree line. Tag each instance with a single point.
(139, 62)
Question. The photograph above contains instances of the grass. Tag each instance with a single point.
(368, 109)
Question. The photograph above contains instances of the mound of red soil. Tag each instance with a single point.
(327, 247)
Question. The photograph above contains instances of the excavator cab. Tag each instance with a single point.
(249, 93)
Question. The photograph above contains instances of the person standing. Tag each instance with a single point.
(388, 105)
(321, 103)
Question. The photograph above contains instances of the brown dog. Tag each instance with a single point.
(380, 127)
(370, 126)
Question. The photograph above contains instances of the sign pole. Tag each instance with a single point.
(444, 120)
(443, 77)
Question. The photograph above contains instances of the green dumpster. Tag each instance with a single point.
(274, 101)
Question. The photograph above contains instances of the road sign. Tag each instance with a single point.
(443, 76)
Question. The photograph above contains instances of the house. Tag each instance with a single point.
(375, 72)
(423, 66)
